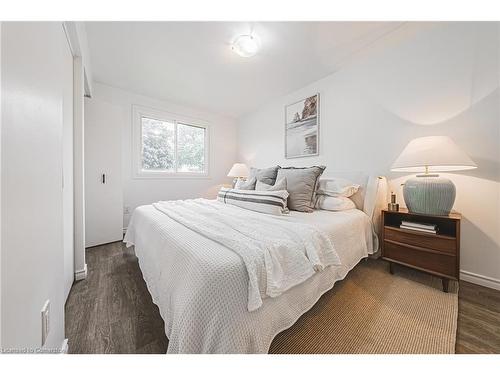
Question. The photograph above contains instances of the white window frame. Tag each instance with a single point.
(137, 113)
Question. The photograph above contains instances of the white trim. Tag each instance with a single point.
(137, 173)
(170, 175)
(78, 164)
(0, 187)
(475, 278)
(81, 274)
(64, 347)
(77, 39)
(72, 36)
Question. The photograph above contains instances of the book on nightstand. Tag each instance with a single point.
(421, 227)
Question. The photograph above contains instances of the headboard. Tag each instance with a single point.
(371, 197)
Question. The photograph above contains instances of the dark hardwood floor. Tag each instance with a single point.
(478, 319)
(112, 311)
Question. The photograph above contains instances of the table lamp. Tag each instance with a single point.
(428, 193)
(239, 170)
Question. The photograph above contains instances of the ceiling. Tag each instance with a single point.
(191, 63)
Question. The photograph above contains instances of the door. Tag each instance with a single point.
(67, 150)
(103, 180)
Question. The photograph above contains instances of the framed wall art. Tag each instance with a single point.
(302, 128)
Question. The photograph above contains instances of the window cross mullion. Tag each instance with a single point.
(175, 146)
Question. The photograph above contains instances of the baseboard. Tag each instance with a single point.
(65, 347)
(474, 278)
(81, 274)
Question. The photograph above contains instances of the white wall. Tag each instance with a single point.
(137, 192)
(422, 80)
(31, 216)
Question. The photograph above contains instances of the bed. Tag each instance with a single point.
(202, 287)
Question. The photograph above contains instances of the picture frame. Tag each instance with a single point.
(302, 127)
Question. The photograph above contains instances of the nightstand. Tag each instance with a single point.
(437, 254)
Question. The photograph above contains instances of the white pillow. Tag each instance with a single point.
(278, 185)
(337, 187)
(325, 202)
(245, 184)
(267, 202)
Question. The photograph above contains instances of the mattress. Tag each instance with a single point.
(201, 287)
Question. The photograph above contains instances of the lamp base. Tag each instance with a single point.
(235, 181)
(429, 195)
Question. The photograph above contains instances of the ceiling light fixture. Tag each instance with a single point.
(245, 45)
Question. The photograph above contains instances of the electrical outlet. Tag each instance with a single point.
(126, 210)
(45, 321)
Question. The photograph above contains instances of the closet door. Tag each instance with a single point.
(103, 180)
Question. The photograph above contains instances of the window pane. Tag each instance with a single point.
(157, 145)
(190, 148)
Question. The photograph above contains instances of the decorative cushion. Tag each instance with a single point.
(325, 202)
(267, 202)
(245, 185)
(301, 184)
(337, 187)
(279, 185)
(265, 175)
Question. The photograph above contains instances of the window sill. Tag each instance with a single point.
(171, 176)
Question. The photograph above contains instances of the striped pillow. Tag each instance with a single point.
(267, 202)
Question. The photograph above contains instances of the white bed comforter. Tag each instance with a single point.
(277, 254)
(201, 287)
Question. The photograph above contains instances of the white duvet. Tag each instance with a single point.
(277, 254)
(201, 286)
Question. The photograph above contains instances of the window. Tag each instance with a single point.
(168, 145)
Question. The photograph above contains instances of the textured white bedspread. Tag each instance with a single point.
(201, 286)
(277, 254)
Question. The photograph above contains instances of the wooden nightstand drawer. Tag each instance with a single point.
(438, 254)
(421, 258)
(427, 240)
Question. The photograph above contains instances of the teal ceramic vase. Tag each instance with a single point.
(429, 195)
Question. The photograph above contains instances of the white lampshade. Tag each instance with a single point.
(238, 170)
(432, 154)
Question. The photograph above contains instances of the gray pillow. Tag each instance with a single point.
(265, 175)
(301, 183)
